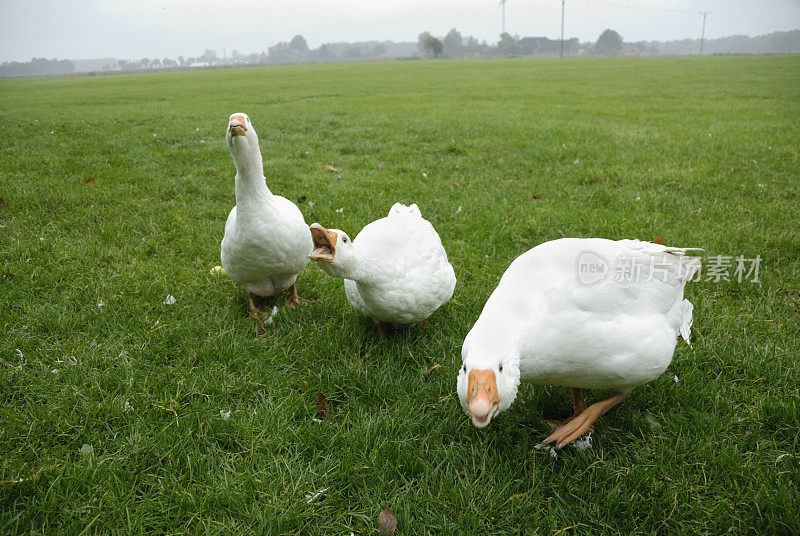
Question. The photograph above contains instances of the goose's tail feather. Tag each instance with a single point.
(400, 208)
(686, 325)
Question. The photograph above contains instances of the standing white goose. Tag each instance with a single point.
(267, 241)
(582, 313)
(395, 271)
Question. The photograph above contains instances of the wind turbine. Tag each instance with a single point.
(503, 4)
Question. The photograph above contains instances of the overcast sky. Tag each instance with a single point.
(132, 29)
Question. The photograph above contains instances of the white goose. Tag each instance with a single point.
(395, 271)
(582, 313)
(267, 241)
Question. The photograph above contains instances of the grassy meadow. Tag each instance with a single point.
(114, 405)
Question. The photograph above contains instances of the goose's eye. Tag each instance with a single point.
(344, 239)
(500, 367)
(464, 368)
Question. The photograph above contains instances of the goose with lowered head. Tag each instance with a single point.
(395, 271)
(581, 313)
(267, 241)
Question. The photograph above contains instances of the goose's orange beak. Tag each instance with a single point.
(324, 243)
(482, 397)
(236, 126)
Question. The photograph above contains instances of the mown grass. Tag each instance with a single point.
(117, 190)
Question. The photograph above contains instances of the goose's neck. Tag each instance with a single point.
(366, 271)
(251, 187)
(359, 267)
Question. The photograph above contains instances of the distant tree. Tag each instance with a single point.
(472, 45)
(181, 61)
(169, 63)
(429, 45)
(144, 63)
(123, 65)
(379, 50)
(421, 40)
(453, 43)
(209, 57)
(298, 43)
(280, 53)
(609, 43)
(640, 47)
(508, 44)
(156, 63)
(353, 51)
(324, 53)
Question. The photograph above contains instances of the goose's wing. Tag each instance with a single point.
(633, 277)
(286, 210)
(595, 313)
(571, 283)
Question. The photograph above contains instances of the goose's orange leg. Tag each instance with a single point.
(294, 299)
(380, 329)
(578, 403)
(578, 406)
(255, 314)
(579, 425)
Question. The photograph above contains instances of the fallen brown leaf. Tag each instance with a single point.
(323, 409)
(90, 179)
(387, 523)
(614, 185)
(659, 240)
(331, 168)
(380, 165)
(3, 201)
(537, 196)
(455, 183)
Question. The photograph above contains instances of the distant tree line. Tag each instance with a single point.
(774, 43)
(37, 67)
(453, 44)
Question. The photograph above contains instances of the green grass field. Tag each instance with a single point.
(116, 189)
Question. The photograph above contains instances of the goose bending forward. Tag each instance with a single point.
(582, 313)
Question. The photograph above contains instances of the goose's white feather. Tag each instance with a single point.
(267, 241)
